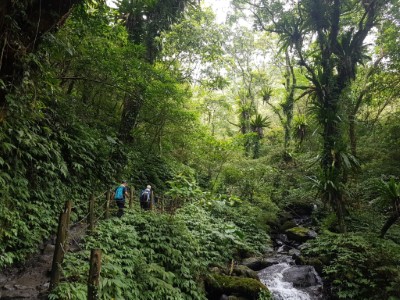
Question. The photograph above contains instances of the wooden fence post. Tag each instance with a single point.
(68, 209)
(151, 200)
(107, 205)
(60, 247)
(161, 200)
(94, 274)
(131, 195)
(90, 220)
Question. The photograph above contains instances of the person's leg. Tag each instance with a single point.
(121, 206)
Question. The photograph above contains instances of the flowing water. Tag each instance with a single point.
(272, 277)
(281, 289)
(285, 279)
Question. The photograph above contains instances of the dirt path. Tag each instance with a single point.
(31, 280)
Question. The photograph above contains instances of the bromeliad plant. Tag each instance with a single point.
(390, 197)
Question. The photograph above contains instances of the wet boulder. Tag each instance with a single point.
(256, 263)
(243, 288)
(300, 234)
(302, 276)
(244, 271)
(294, 253)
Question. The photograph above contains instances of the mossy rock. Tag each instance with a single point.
(248, 288)
(300, 234)
(317, 262)
(302, 231)
(244, 271)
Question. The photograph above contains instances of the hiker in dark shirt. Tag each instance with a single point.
(146, 198)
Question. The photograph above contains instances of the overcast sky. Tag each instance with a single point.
(220, 7)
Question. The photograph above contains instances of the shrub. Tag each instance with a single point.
(358, 267)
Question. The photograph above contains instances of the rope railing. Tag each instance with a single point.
(81, 220)
(102, 194)
(63, 227)
(97, 210)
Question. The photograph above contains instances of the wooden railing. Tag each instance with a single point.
(96, 211)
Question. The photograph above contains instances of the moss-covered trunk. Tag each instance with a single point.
(22, 24)
(333, 177)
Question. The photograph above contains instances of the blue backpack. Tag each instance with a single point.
(119, 193)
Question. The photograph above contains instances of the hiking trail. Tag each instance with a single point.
(31, 280)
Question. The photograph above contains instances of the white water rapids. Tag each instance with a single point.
(285, 279)
(272, 277)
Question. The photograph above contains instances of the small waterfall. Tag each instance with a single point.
(273, 278)
(285, 279)
(288, 281)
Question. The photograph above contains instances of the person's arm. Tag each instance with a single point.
(126, 192)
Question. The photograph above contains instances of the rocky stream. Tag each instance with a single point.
(277, 268)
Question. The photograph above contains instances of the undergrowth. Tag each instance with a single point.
(357, 266)
(147, 255)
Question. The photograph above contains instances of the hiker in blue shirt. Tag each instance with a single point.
(119, 196)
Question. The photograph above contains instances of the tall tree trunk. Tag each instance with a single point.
(289, 102)
(352, 135)
(389, 222)
(22, 24)
(245, 128)
(331, 161)
(144, 25)
(131, 107)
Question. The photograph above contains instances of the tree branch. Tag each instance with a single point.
(97, 81)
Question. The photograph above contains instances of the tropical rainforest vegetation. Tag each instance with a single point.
(286, 102)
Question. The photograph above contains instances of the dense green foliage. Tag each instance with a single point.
(357, 266)
(160, 256)
(231, 126)
(60, 139)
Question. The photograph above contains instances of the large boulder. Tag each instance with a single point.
(256, 263)
(300, 234)
(244, 288)
(301, 276)
(244, 271)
